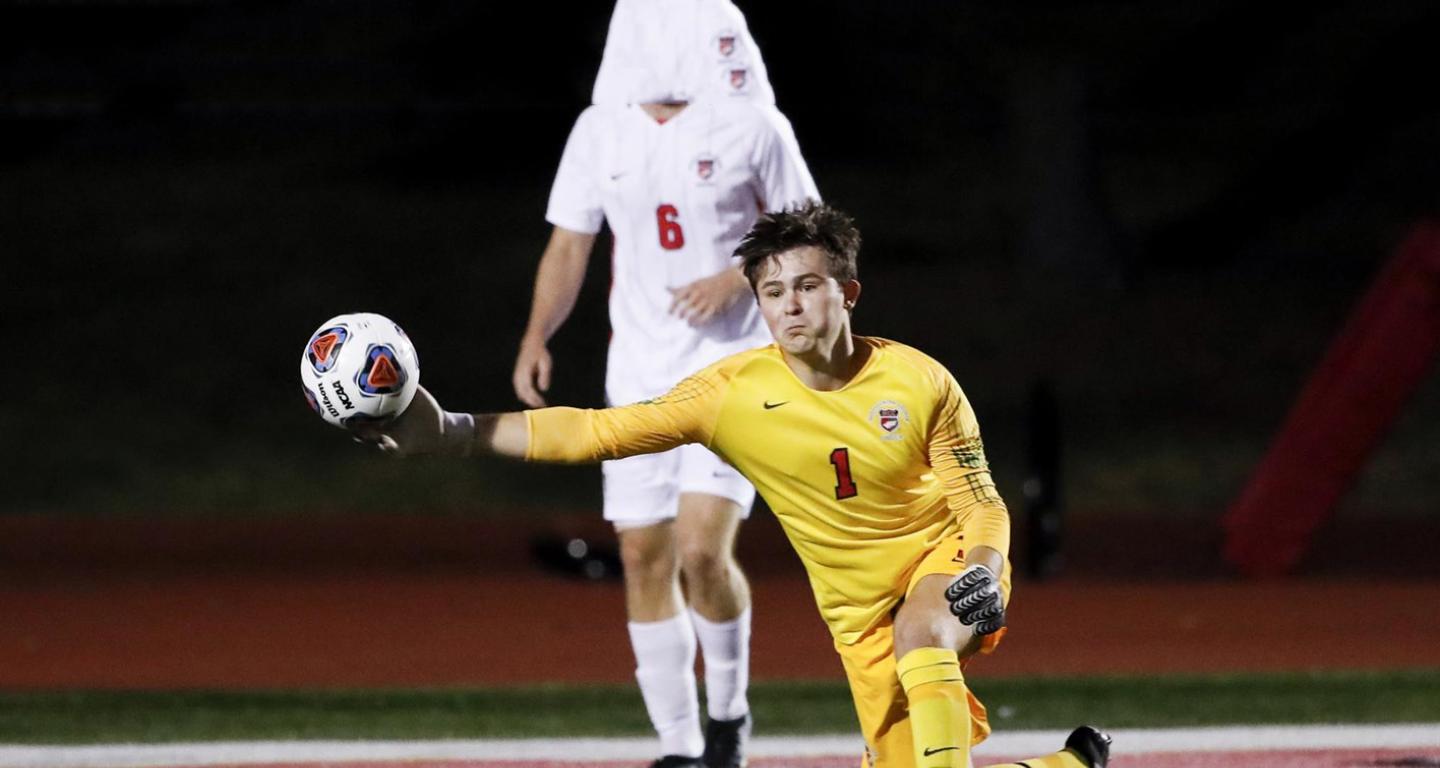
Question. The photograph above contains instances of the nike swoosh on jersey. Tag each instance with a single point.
(937, 750)
(769, 405)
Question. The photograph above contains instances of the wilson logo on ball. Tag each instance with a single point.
(382, 374)
(324, 348)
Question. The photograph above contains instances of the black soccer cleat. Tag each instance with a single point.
(677, 761)
(1091, 744)
(725, 742)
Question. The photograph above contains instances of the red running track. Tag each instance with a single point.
(245, 629)
(342, 602)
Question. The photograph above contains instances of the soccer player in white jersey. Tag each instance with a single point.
(680, 152)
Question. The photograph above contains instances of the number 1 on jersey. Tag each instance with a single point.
(667, 218)
(844, 483)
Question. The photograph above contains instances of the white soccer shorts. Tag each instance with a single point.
(645, 490)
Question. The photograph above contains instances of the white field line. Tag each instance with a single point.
(1127, 742)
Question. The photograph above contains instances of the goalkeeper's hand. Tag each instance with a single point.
(975, 599)
(422, 428)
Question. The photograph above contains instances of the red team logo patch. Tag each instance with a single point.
(738, 78)
(705, 168)
(726, 44)
(890, 417)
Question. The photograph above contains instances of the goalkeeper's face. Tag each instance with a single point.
(805, 307)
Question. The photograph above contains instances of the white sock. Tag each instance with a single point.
(726, 648)
(665, 668)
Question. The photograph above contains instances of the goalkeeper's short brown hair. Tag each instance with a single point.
(811, 223)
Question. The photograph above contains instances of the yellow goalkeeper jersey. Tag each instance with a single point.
(865, 479)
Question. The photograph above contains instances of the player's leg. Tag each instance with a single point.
(930, 645)
(879, 701)
(719, 600)
(945, 718)
(714, 499)
(641, 501)
(705, 531)
(652, 571)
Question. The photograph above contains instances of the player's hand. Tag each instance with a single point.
(707, 298)
(532, 372)
(976, 601)
(419, 429)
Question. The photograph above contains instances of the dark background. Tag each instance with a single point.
(1165, 210)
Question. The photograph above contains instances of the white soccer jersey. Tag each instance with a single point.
(680, 50)
(678, 197)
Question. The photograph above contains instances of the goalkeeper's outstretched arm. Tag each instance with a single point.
(426, 428)
(560, 435)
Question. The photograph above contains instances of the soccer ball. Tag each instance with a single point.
(358, 367)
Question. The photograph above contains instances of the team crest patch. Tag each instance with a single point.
(891, 418)
(739, 78)
(725, 43)
(705, 167)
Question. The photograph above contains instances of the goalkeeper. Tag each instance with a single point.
(869, 455)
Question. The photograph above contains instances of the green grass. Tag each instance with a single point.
(810, 707)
